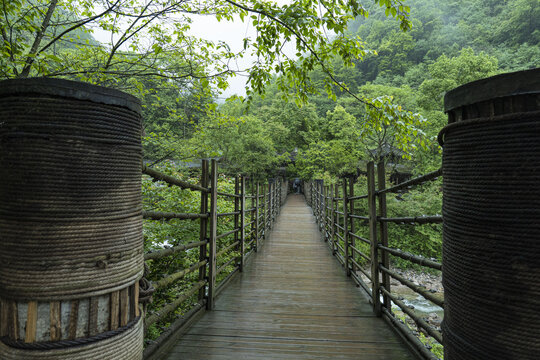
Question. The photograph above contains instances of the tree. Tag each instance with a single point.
(447, 73)
(149, 38)
(242, 144)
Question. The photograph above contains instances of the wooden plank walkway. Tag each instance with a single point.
(293, 301)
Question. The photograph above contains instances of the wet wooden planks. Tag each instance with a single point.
(292, 302)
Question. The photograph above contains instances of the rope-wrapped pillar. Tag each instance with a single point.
(491, 208)
(70, 221)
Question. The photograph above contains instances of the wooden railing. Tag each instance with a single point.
(368, 257)
(221, 255)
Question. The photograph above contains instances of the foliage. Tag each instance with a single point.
(150, 39)
(242, 144)
(157, 196)
(424, 240)
(448, 73)
(432, 344)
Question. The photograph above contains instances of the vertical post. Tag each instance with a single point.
(372, 211)
(327, 212)
(237, 216)
(346, 228)
(335, 249)
(323, 210)
(278, 196)
(242, 221)
(203, 226)
(317, 204)
(321, 203)
(276, 200)
(311, 194)
(333, 219)
(264, 209)
(381, 179)
(257, 217)
(251, 212)
(212, 259)
(352, 228)
(270, 204)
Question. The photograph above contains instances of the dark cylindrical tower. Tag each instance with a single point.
(70, 221)
(491, 208)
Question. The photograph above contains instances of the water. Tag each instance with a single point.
(420, 304)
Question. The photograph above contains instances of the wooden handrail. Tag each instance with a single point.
(249, 235)
(156, 175)
(158, 254)
(337, 219)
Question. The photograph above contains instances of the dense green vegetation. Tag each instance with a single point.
(367, 83)
(369, 86)
(450, 43)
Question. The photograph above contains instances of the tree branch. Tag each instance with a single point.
(125, 37)
(306, 44)
(33, 51)
(78, 25)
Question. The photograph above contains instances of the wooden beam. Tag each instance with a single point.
(31, 322)
(212, 236)
(124, 306)
(372, 211)
(346, 228)
(242, 221)
(383, 228)
(73, 319)
(115, 310)
(203, 229)
(93, 315)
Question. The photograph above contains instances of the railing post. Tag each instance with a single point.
(321, 203)
(346, 228)
(212, 259)
(242, 221)
(237, 216)
(333, 232)
(327, 215)
(251, 212)
(323, 208)
(264, 210)
(257, 217)
(203, 226)
(311, 195)
(317, 203)
(278, 195)
(276, 200)
(270, 203)
(352, 227)
(381, 180)
(372, 204)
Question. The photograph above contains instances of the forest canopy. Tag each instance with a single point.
(367, 79)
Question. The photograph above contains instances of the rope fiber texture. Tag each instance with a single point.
(70, 197)
(491, 210)
(115, 345)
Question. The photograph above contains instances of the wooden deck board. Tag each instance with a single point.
(292, 302)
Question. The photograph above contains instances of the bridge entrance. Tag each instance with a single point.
(292, 301)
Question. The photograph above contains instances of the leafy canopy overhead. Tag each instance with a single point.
(150, 38)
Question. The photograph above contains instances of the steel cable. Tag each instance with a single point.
(491, 207)
(70, 196)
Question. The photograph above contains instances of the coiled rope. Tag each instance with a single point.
(70, 196)
(491, 210)
(124, 343)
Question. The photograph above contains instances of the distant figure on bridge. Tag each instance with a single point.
(297, 186)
